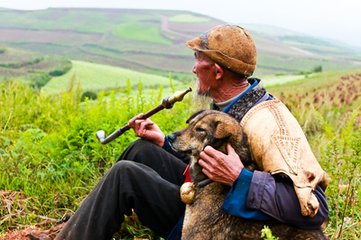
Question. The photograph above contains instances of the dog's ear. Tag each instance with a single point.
(225, 128)
(194, 115)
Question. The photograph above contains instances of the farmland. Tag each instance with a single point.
(31, 67)
(152, 41)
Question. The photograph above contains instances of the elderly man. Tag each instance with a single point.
(148, 175)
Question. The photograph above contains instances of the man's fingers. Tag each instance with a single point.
(210, 151)
(144, 126)
(230, 149)
(131, 122)
(206, 156)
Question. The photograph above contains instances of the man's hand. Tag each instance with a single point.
(147, 129)
(220, 167)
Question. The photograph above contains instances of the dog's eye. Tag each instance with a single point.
(199, 129)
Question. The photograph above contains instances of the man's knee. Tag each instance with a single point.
(138, 150)
(123, 167)
(144, 145)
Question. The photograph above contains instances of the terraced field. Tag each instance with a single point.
(152, 41)
(31, 67)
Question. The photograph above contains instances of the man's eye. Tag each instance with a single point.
(199, 129)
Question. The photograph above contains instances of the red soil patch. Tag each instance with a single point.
(33, 233)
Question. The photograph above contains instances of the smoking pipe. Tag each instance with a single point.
(167, 103)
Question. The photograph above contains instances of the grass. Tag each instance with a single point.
(281, 79)
(96, 77)
(140, 32)
(49, 149)
(187, 18)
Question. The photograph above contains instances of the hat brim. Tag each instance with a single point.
(228, 62)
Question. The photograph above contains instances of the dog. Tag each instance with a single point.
(204, 218)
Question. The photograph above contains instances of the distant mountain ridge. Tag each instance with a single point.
(153, 40)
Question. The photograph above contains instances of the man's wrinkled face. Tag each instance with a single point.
(205, 70)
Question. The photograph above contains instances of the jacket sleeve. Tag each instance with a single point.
(276, 197)
(236, 200)
(260, 196)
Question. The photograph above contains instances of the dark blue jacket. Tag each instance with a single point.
(261, 196)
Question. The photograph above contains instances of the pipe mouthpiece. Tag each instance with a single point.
(178, 96)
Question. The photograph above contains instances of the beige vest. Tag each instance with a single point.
(278, 145)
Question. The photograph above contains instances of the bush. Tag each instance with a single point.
(317, 69)
(88, 95)
(61, 70)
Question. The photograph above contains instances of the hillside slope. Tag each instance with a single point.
(153, 40)
(32, 67)
(95, 77)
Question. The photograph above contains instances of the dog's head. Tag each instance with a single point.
(207, 128)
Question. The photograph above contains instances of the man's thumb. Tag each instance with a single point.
(230, 149)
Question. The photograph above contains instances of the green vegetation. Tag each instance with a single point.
(187, 18)
(280, 79)
(48, 146)
(52, 158)
(31, 67)
(95, 77)
(140, 32)
(266, 234)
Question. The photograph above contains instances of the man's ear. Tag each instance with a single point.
(219, 71)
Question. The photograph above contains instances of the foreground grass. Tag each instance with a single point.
(49, 150)
(52, 158)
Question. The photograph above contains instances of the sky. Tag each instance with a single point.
(332, 19)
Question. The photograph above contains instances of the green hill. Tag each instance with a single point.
(152, 41)
(95, 77)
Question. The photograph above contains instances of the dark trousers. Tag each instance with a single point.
(146, 178)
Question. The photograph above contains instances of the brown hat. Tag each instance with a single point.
(228, 45)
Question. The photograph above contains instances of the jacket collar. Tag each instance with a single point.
(246, 102)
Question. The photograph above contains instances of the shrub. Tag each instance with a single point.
(317, 69)
(88, 95)
(65, 66)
